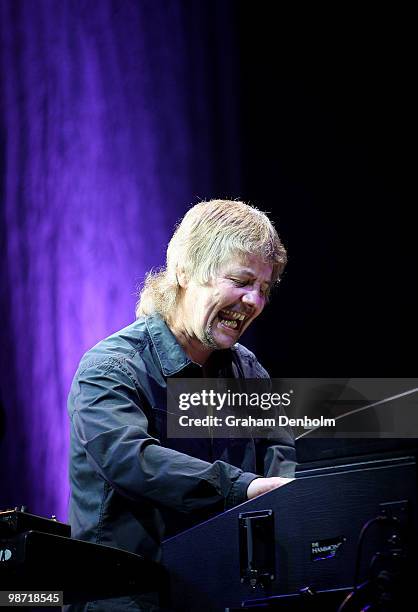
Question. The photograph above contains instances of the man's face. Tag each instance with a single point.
(218, 312)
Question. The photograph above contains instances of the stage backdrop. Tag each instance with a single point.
(115, 116)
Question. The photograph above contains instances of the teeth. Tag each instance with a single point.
(232, 324)
(235, 315)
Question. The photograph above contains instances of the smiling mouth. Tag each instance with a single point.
(231, 319)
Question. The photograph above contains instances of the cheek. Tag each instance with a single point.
(206, 308)
(232, 295)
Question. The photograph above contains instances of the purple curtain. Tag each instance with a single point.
(115, 116)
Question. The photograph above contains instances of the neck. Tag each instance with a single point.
(192, 346)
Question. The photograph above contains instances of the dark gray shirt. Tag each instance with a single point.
(130, 485)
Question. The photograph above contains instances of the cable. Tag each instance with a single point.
(365, 528)
(359, 589)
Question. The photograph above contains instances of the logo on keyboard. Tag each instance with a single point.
(326, 549)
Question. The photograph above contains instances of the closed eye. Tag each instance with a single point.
(265, 290)
(239, 283)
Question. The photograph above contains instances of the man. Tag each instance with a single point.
(130, 484)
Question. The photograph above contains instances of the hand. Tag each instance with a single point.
(264, 485)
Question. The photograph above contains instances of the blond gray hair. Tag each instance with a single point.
(209, 234)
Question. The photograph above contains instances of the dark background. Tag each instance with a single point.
(326, 141)
(116, 116)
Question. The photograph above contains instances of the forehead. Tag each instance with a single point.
(248, 265)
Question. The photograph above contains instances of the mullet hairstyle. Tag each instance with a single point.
(210, 234)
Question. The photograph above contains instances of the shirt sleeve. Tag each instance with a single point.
(112, 427)
(279, 458)
(279, 453)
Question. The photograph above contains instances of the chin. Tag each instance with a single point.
(218, 341)
(225, 342)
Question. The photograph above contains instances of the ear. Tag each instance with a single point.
(182, 278)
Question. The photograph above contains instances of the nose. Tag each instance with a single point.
(254, 298)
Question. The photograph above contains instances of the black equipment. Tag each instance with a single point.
(37, 554)
(306, 545)
(337, 538)
(18, 520)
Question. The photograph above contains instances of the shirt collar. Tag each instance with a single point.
(170, 353)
